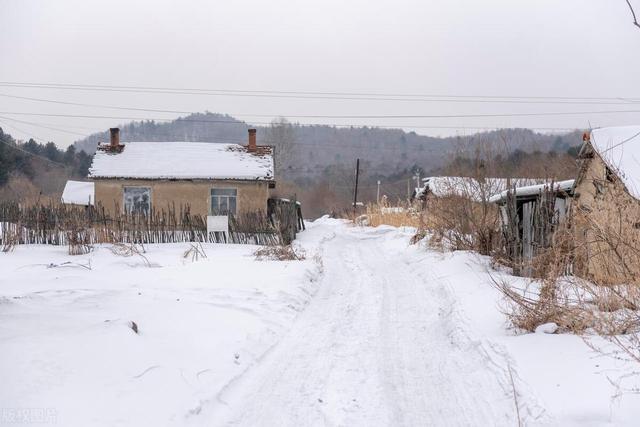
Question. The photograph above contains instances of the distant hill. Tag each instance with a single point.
(31, 171)
(387, 151)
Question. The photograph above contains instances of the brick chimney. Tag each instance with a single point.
(251, 147)
(115, 138)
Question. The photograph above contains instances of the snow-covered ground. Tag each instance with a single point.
(368, 330)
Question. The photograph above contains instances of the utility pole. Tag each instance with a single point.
(408, 188)
(378, 193)
(355, 191)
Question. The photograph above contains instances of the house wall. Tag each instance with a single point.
(607, 226)
(252, 195)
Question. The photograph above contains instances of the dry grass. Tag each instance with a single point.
(195, 252)
(576, 305)
(78, 240)
(584, 306)
(460, 223)
(129, 250)
(279, 253)
(402, 215)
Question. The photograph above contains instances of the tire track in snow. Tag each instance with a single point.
(377, 345)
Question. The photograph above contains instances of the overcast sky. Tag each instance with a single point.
(531, 48)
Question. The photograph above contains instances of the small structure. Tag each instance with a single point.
(208, 178)
(78, 193)
(607, 205)
(286, 216)
(474, 189)
(530, 216)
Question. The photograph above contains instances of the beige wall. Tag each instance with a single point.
(252, 195)
(607, 222)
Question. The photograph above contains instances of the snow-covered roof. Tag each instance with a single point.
(183, 160)
(441, 186)
(532, 190)
(619, 147)
(78, 193)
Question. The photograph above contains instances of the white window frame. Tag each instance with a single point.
(211, 197)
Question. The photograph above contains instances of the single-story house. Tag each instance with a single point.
(607, 205)
(78, 193)
(210, 178)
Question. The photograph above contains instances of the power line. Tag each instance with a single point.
(314, 116)
(442, 116)
(621, 142)
(234, 140)
(366, 96)
(15, 147)
(44, 126)
(80, 104)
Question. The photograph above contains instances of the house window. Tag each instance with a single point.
(223, 201)
(137, 199)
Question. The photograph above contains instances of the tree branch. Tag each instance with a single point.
(633, 13)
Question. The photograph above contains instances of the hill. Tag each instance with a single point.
(29, 170)
(314, 148)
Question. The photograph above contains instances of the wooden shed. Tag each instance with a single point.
(530, 216)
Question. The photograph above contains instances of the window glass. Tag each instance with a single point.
(224, 192)
(223, 201)
(137, 199)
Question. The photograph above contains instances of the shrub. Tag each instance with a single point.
(279, 253)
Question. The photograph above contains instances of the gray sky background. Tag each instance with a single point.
(572, 48)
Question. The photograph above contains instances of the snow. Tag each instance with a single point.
(78, 193)
(182, 160)
(367, 331)
(442, 186)
(532, 190)
(547, 328)
(66, 343)
(619, 147)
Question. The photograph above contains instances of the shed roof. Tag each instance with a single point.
(184, 160)
(78, 193)
(619, 148)
(441, 186)
(533, 190)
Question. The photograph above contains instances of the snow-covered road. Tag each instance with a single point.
(367, 331)
(376, 346)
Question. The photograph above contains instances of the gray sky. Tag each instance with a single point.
(549, 48)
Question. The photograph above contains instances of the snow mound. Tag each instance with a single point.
(547, 328)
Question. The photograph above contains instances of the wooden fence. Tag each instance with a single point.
(59, 224)
(286, 216)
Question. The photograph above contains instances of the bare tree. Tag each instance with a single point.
(281, 135)
(633, 13)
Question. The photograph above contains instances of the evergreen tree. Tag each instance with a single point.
(70, 156)
(51, 152)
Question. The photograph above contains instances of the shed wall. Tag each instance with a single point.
(607, 226)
